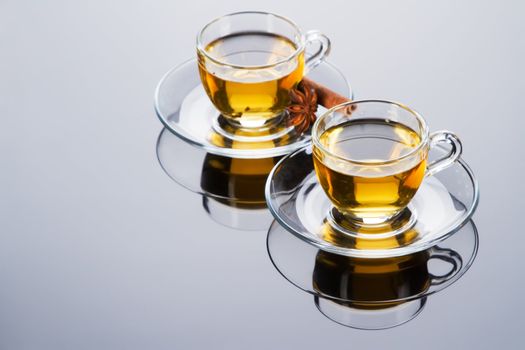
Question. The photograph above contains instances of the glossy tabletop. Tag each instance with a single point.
(101, 249)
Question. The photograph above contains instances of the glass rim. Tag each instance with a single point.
(298, 50)
(424, 133)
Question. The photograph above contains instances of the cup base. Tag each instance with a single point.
(253, 124)
(398, 224)
(277, 133)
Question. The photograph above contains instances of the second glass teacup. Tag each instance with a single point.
(371, 159)
(250, 61)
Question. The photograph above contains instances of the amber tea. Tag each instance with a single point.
(365, 188)
(251, 84)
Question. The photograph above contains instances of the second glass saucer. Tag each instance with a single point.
(442, 205)
(184, 108)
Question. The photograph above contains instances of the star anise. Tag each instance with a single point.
(303, 106)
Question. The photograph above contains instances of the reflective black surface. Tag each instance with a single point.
(100, 249)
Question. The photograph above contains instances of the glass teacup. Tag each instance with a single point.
(249, 62)
(371, 157)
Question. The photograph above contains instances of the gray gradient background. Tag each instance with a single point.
(99, 249)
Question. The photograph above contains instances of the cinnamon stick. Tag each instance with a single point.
(326, 97)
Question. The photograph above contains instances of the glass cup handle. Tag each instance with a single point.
(447, 255)
(313, 61)
(446, 161)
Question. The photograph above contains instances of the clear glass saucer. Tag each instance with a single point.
(184, 108)
(372, 293)
(442, 205)
(232, 189)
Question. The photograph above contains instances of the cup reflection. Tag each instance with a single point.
(236, 191)
(373, 293)
(232, 189)
(240, 182)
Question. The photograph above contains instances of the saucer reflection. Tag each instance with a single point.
(371, 293)
(371, 318)
(232, 189)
